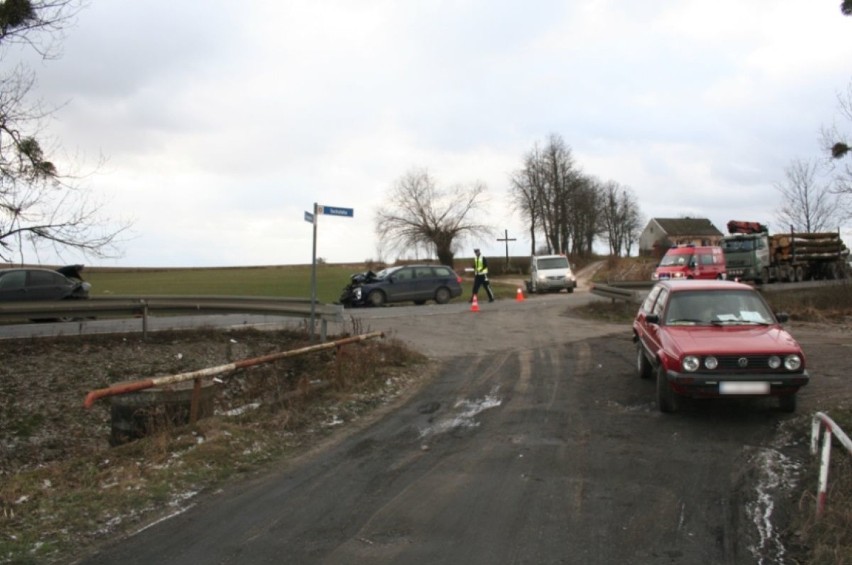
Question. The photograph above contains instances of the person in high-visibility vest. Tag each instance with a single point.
(480, 276)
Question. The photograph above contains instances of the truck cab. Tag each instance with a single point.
(747, 256)
(692, 262)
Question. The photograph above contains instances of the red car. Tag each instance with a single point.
(715, 339)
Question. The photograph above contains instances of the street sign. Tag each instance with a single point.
(335, 211)
(309, 217)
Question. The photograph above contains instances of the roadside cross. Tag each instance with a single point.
(506, 239)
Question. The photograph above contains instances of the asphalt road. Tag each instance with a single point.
(534, 443)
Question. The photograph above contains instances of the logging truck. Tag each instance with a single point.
(752, 254)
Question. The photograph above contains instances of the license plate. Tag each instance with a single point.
(743, 388)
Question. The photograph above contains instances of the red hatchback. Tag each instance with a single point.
(715, 339)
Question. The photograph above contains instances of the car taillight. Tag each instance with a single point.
(458, 279)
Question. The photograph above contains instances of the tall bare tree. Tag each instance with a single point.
(551, 193)
(40, 206)
(620, 217)
(525, 194)
(807, 205)
(419, 214)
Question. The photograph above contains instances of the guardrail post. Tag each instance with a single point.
(823, 472)
(832, 430)
(196, 398)
(144, 319)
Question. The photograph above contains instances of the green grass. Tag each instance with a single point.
(283, 281)
(278, 281)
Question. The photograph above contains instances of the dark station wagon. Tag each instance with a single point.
(715, 339)
(409, 283)
(33, 284)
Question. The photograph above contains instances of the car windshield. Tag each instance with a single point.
(717, 307)
(738, 245)
(553, 263)
(385, 273)
(676, 260)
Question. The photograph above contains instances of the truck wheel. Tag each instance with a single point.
(799, 274)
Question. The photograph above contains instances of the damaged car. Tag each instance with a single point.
(32, 283)
(408, 283)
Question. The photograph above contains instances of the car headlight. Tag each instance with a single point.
(677, 276)
(792, 362)
(711, 362)
(357, 293)
(691, 363)
(774, 362)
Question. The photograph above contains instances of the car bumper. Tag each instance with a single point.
(712, 386)
(555, 285)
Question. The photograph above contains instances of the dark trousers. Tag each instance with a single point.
(482, 280)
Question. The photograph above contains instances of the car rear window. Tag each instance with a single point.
(15, 279)
(443, 272)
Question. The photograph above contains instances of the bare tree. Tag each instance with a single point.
(525, 194)
(620, 217)
(40, 206)
(419, 214)
(554, 197)
(806, 204)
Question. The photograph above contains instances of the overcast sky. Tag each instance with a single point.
(223, 122)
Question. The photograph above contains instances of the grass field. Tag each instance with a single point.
(281, 281)
(290, 281)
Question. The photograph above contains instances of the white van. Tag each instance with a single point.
(550, 273)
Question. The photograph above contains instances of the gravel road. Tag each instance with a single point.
(534, 443)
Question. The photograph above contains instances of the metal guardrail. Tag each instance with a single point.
(820, 420)
(622, 290)
(197, 375)
(144, 306)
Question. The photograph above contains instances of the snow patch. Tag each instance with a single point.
(462, 415)
(778, 475)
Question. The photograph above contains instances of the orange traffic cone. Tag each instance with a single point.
(520, 296)
(474, 304)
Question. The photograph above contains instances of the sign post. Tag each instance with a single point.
(312, 218)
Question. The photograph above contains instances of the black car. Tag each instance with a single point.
(27, 284)
(409, 283)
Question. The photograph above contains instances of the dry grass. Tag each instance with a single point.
(64, 489)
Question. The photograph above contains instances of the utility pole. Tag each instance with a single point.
(506, 239)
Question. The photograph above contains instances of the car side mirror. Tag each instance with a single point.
(652, 319)
(782, 317)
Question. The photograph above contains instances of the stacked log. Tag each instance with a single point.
(807, 247)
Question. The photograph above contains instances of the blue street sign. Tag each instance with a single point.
(309, 217)
(334, 211)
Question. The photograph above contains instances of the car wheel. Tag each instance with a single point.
(643, 367)
(666, 398)
(376, 298)
(442, 295)
(570, 289)
(787, 403)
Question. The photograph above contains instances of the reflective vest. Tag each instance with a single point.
(479, 266)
